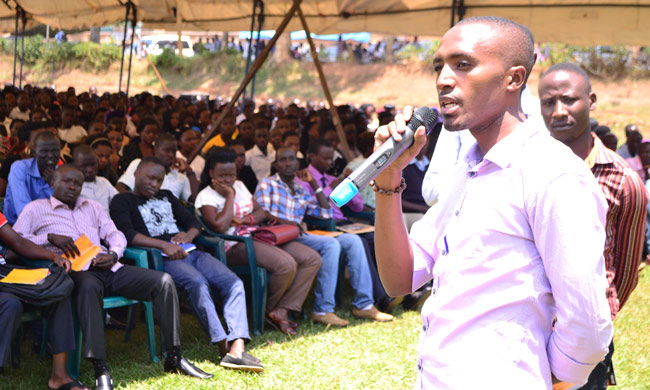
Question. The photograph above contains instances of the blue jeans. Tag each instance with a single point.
(355, 258)
(197, 274)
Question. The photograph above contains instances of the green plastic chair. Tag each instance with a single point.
(74, 357)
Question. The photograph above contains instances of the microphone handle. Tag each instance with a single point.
(381, 158)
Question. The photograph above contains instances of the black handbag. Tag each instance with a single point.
(54, 288)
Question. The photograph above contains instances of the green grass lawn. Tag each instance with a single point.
(362, 356)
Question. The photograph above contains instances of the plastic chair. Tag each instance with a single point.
(320, 223)
(368, 216)
(74, 357)
(258, 275)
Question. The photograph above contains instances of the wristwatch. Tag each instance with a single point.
(115, 256)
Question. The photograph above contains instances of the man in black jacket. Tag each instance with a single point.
(155, 218)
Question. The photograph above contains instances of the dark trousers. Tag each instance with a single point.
(130, 282)
(599, 376)
(60, 333)
(378, 292)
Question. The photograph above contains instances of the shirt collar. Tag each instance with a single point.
(55, 203)
(505, 150)
(598, 154)
(33, 168)
(420, 164)
(316, 174)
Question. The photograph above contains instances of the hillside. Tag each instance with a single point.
(620, 102)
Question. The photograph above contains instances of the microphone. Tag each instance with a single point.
(382, 157)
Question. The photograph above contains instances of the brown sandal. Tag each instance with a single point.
(284, 326)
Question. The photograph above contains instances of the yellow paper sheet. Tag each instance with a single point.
(26, 276)
(88, 253)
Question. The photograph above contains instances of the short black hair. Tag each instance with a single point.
(161, 138)
(520, 49)
(316, 145)
(146, 122)
(219, 155)
(150, 160)
(45, 136)
(63, 167)
(569, 68)
(289, 134)
(601, 130)
(81, 149)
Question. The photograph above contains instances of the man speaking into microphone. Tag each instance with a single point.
(515, 246)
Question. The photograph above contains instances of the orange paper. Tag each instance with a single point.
(88, 253)
(26, 276)
(324, 233)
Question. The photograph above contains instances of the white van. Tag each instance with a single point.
(155, 44)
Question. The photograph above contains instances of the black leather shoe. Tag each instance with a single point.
(183, 366)
(104, 382)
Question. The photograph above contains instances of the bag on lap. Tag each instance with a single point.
(55, 287)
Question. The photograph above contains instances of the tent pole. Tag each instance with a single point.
(126, 25)
(16, 46)
(461, 9)
(326, 90)
(453, 13)
(260, 22)
(259, 61)
(22, 46)
(250, 43)
(133, 23)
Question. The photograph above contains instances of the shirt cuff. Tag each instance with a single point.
(564, 367)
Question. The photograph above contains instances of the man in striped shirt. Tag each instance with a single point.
(566, 100)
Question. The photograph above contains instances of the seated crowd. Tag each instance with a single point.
(117, 169)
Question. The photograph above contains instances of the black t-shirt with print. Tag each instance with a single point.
(161, 216)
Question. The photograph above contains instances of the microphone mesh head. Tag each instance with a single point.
(427, 118)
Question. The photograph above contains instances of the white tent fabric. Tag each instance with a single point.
(587, 22)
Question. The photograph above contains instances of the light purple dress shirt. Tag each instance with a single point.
(516, 242)
(355, 204)
(44, 216)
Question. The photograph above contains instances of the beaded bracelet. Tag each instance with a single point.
(382, 191)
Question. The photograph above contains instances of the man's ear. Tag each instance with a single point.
(592, 101)
(515, 78)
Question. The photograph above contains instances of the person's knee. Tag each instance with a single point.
(285, 265)
(88, 287)
(12, 306)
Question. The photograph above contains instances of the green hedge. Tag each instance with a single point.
(88, 56)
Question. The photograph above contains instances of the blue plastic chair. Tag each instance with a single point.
(258, 275)
(74, 357)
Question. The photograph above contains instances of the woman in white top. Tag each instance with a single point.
(226, 203)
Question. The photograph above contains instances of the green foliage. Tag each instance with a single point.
(94, 56)
(424, 51)
(88, 56)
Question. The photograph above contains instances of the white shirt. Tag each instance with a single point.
(242, 203)
(175, 182)
(260, 162)
(73, 135)
(101, 190)
(17, 114)
(197, 164)
(515, 242)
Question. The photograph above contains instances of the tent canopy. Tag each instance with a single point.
(588, 22)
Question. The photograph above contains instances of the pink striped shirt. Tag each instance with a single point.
(50, 216)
